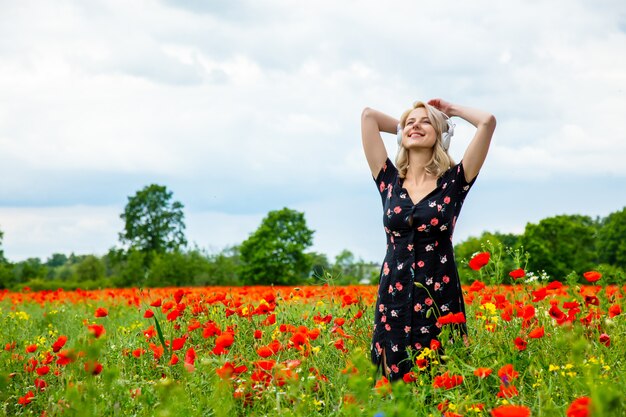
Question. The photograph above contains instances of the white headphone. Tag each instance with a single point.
(445, 136)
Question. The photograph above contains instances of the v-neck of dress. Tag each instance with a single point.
(423, 198)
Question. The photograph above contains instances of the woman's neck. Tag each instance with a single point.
(416, 171)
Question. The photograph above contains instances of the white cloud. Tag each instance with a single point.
(232, 99)
(41, 231)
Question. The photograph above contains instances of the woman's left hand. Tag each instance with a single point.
(441, 104)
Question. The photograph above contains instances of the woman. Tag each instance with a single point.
(422, 196)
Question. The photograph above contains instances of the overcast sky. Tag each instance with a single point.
(242, 107)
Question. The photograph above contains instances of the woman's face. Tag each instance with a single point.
(418, 130)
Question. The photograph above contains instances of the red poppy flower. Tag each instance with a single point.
(592, 276)
(193, 325)
(258, 334)
(225, 340)
(409, 377)
(517, 273)
(421, 363)
(58, 345)
(190, 359)
(447, 381)
(264, 352)
(96, 329)
(348, 300)
(275, 345)
(452, 318)
(299, 339)
(591, 300)
(435, 344)
(507, 391)
(615, 310)
(479, 260)
(605, 339)
(510, 411)
(42, 370)
(210, 329)
(483, 372)
(101, 312)
(26, 399)
(539, 294)
(383, 386)
(579, 407)
(173, 315)
(148, 314)
(93, 367)
(261, 376)
(266, 364)
(443, 406)
(507, 373)
(150, 332)
(30, 365)
(557, 314)
(65, 357)
(536, 333)
(226, 371)
(339, 344)
(477, 286)
(178, 344)
(40, 384)
(271, 319)
(520, 344)
(157, 351)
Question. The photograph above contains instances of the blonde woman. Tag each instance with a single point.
(422, 195)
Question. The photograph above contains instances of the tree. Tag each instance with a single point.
(274, 253)
(90, 269)
(2, 258)
(6, 273)
(29, 269)
(223, 268)
(611, 240)
(319, 264)
(152, 222)
(561, 244)
(126, 268)
(56, 260)
(178, 268)
(490, 242)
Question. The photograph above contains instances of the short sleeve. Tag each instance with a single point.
(457, 178)
(386, 179)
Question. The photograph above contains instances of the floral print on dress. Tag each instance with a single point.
(419, 251)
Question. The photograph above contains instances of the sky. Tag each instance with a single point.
(242, 107)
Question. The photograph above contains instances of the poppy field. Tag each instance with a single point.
(535, 348)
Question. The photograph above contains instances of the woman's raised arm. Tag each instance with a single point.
(372, 123)
(485, 124)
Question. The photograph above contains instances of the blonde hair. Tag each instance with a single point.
(441, 160)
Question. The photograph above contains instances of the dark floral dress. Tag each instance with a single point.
(419, 250)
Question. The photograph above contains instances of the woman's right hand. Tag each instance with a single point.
(442, 105)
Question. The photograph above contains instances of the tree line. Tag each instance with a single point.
(560, 247)
(153, 251)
